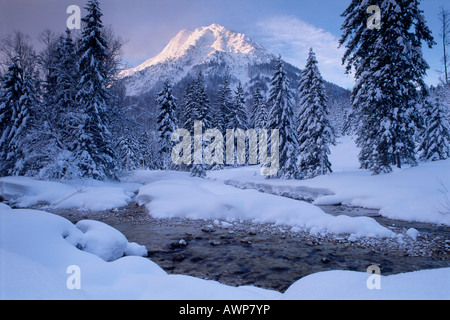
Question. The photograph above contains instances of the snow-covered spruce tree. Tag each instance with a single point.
(66, 71)
(63, 117)
(93, 152)
(49, 60)
(128, 147)
(196, 105)
(203, 115)
(347, 124)
(125, 131)
(167, 124)
(282, 118)
(67, 112)
(435, 144)
(189, 116)
(190, 108)
(26, 129)
(18, 105)
(197, 108)
(389, 70)
(224, 107)
(9, 105)
(314, 132)
(240, 117)
(203, 103)
(260, 116)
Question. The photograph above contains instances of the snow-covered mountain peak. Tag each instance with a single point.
(225, 40)
(202, 45)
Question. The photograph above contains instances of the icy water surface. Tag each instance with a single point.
(273, 257)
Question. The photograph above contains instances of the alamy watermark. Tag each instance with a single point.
(74, 280)
(208, 148)
(74, 20)
(374, 21)
(374, 281)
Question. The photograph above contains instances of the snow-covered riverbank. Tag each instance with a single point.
(37, 248)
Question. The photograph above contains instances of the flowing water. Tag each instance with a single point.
(273, 257)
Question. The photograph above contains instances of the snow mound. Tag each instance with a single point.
(349, 285)
(107, 242)
(37, 248)
(135, 249)
(25, 279)
(202, 199)
(412, 233)
(4, 206)
(84, 195)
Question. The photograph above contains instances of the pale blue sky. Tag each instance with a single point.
(286, 27)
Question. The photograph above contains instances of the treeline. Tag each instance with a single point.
(63, 112)
(304, 137)
(65, 115)
(60, 108)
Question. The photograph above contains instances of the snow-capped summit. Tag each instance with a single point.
(219, 38)
(213, 50)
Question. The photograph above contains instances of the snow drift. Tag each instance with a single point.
(83, 195)
(197, 198)
(36, 249)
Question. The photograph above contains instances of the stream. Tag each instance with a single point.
(269, 256)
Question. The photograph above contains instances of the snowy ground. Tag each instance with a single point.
(37, 248)
(410, 194)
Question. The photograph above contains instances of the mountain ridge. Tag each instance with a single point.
(213, 44)
(215, 37)
(219, 54)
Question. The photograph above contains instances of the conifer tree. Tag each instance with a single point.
(347, 125)
(435, 144)
(240, 117)
(223, 111)
(259, 111)
(167, 124)
(197, 108)
(197, 105)
(94, 153)
(238, 121)
(389, 70)
(260, 117)
(315, 133)
(24, 130)
(190, 108)
(62, 123)
(203, 103)
(282, 118)
(67, 112)
(12, 91)
(9, 108)
(17, 105)
(224, 107)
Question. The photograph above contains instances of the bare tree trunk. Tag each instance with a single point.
(445, 60)
(444, 17)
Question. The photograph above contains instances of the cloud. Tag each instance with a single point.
(292, 38)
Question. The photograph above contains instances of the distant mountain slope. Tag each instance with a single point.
(218, 53)
(214, 50)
